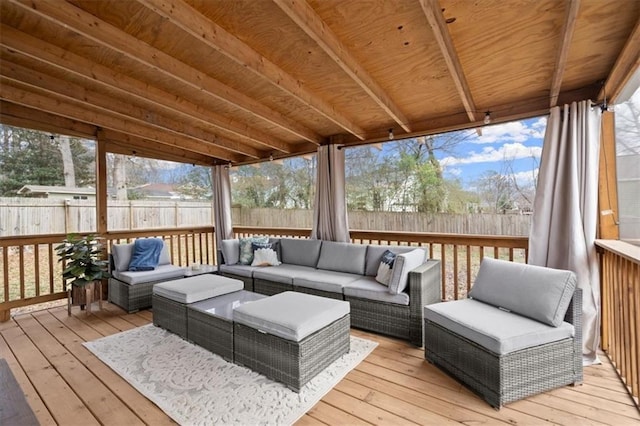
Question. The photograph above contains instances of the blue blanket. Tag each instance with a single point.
(146, 254)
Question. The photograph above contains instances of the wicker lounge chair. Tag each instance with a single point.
(510, 366)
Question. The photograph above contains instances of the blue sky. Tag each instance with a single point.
(516, 145)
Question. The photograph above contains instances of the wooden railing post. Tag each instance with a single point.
(608, 227)
(620, 275)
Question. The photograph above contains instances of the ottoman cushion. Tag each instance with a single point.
(194, 289)
(290, 315)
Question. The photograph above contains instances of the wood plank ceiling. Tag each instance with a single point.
(218, 81)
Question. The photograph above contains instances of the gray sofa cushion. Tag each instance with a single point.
(276, 245)
(305, 314)
(369, 288)
(165, 257)
(374, 255)
(195, 289)
(231, 251)
(494, 329)
(342, 257)
(240, 270)
(404, 263)
(283, 273)
(162, 272)
(320, 279)
(536, 292)
(299, 251)
(122, 256)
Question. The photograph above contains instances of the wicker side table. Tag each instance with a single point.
(210, 322)
(170, 299)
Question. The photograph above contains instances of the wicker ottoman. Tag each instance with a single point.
(170, 299)
(291, 337)
(210, 321)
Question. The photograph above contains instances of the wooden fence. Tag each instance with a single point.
(32, 216)
(482, 224)
(35, 216)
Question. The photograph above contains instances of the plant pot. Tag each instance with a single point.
(85, 296)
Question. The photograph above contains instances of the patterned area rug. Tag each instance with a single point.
(195, 387)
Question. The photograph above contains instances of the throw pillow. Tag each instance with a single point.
(386, 267)
(265, 254)
(246, 250)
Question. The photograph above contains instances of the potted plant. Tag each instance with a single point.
(84, 268)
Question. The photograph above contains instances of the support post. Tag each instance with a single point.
(101, 192)
(608, 223)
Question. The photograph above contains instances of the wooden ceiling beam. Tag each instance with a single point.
(124, 144)
(208, 32)
(312, 24)
(126, 110)
(625, 66)
(77, 20)
(29, 118)
(33, 97)
(569, 25)
(433, 13)
(40, 50)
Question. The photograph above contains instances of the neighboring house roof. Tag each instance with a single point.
(44, 189)
(160, 190)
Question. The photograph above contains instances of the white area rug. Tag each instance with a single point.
(195, 387)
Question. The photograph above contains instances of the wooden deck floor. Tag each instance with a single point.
(65, 384)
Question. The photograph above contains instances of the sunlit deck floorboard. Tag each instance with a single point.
(65, 384)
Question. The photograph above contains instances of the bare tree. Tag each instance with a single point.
(120, 177)
(64, 144)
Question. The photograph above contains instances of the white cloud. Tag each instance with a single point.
(527, 177)
(508, 151)
(453, 171)
(513, 131)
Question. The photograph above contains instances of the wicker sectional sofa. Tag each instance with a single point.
(347, 271)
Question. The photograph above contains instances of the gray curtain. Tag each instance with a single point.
(564, 223)
(330, 212)
(222, 205)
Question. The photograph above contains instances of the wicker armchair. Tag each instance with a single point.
(503, 376)
(132, 291)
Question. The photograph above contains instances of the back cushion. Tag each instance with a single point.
(122, 256)
(276, 245)
(299, 251)
(231, 251)
(165, 257)
(374, 256)
(342, 257)
(405, 263)
(540, 293)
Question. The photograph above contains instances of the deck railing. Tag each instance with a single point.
(30, 272)
(460, 255)
(620, 294)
